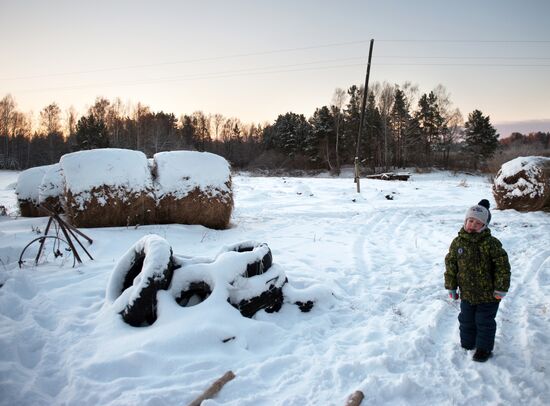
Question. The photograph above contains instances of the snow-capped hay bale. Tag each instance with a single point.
(143, 270)
(108, 187)
(27, 190)
(193, 188)
(52, 188)
(523, 184)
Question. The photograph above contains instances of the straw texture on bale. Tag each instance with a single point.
(27, 191)
(108, 187)
(523, 184)
(197, 207)
(193, 188)
(29, 208)
(108, 206)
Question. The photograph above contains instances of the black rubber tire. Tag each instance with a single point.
(259, 266)
(198, 288)
(143, 311)
(271, 300)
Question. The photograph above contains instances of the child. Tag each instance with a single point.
(478, 266)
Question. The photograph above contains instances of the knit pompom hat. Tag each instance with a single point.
(480, 212)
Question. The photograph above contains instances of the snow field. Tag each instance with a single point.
(383, 323)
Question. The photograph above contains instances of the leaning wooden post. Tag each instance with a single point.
(355, 398)
(357, 179)
(213, 389)
(363, 105)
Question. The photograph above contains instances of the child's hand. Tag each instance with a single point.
(453, 294)
(498, 294)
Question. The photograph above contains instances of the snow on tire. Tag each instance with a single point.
(261, 263)
(143, 270)
(271, 299)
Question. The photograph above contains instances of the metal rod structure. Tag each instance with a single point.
(43, 241)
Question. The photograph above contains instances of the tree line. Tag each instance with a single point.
(403, 129)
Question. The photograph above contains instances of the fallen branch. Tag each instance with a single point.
(390, 176)
(355, 399)
(213, 389)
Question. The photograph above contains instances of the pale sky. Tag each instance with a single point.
(257, 59)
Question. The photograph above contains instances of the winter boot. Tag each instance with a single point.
(482, 355)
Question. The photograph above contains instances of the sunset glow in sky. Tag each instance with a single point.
(255, 59)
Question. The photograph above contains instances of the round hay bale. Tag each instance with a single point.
(197, 207)
(523, 184)
(27, 190)
(193, 188)
(108, 187)
(106, 206)
(51, 190)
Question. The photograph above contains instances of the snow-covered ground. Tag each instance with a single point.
(385, 327)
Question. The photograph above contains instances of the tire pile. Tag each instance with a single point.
(245, 270)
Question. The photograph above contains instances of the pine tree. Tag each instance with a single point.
(373, 146)
(352, 118)
(431, 124)
(399, 121)
(289, 133)
(91, 133)
(317, 144)
(481, 138)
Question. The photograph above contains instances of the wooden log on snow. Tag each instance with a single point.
(390, 176)
(355, 398)
(523, 184)
(213, 389)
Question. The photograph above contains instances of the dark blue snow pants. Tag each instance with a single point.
(478, 325)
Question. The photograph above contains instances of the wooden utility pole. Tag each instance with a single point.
(363, 105)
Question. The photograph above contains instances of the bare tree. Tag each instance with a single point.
(140, 112)
(202, 130)
(115, 122)
(455, 123)
(50, 119)
(7, 109)
(452, 121)
(71, 118)
(217, 121)
(100, 109)
(385, 103)
(339, 100)
(411, 93)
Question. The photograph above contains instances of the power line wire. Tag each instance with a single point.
(469, 41)
(276, 51)
(262, 71)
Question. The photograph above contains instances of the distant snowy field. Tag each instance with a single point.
(385, 327)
